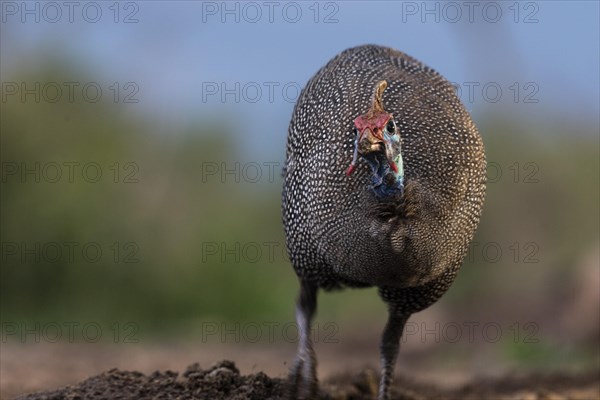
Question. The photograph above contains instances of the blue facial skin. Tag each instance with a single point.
(385, 182)
(389, 187)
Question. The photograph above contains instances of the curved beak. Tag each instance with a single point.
(373, 141)
(369, 142)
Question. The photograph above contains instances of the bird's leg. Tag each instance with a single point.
(390, 343)
(303, 376)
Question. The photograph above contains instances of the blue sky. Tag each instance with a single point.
(546, 52)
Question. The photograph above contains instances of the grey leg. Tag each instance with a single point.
(303, 375)
(390, 343)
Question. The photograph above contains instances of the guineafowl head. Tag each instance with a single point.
(378, 143)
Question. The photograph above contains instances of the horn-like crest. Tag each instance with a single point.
(377, 106)
(377, 96)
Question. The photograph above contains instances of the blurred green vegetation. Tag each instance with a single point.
(165, 216)
(543, 196)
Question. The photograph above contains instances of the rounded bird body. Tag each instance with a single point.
(404, 228)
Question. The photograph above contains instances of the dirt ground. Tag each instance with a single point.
(347, 370)
(224, 381)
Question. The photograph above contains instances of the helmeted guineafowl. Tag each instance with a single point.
(384, 183)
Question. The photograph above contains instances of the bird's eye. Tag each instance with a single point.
(391, 127)
(355, 131)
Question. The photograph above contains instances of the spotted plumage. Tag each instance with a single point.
(341, 232)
